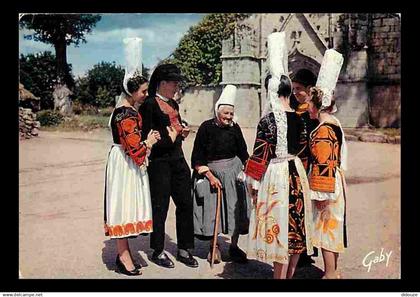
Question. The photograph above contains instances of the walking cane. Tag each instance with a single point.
(216, 225)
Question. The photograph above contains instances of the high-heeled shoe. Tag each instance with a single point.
(121, 268)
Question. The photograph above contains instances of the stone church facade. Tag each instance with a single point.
(368, 90)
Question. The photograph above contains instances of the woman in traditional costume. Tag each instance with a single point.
(127, 207)
(218, 156)
(328, 161)
(303, 80)
(281, 219)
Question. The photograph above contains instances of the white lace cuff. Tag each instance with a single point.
(255, 185)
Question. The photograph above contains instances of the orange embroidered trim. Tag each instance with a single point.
(322, 183)
(129, 229)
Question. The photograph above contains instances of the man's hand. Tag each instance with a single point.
(185, 132)
(172, 133)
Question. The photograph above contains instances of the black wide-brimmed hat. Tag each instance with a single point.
(167, 72)
(304, 77)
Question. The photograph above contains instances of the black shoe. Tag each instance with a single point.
(237, 255)
(305, 260)
(162, 259)
(189, 261)
(121, 268)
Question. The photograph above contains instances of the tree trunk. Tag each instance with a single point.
(61, 59)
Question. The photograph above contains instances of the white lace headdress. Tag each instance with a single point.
(328, 76)
(327, 81)
(133, 56)
(278, 66)
(133, 65)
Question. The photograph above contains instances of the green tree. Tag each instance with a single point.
(37, 72)
(198, 52)
(101, 84)
(60, 30)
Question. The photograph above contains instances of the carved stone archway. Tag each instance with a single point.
(298, 61)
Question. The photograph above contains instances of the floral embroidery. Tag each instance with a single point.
(128, 125)
(129, 131)
(328, 223)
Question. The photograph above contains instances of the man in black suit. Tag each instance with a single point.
(169, 173)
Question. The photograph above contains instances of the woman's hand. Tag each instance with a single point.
(172, 133)
(152, 138)
(214, 181)
(320, 205)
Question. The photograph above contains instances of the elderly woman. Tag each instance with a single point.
(218, 156)
(328, 160)
(127, 205)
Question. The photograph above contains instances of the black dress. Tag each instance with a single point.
(223, 150)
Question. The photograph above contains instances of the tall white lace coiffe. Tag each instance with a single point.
(328, 76)
(133, 65)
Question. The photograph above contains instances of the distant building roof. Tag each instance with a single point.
(24, 94)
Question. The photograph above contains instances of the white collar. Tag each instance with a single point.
(162, 97)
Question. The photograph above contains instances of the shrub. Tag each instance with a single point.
(80, 108)
(77, 107)
(49, 117)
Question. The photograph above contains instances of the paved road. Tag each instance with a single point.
(61, 179)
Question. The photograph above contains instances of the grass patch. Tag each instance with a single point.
(80, 123)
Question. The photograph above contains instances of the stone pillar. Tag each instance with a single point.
(241, 67)
(352, 94)
(243, 71)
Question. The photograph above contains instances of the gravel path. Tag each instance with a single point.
(61, 178)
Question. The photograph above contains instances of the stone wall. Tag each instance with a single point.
(352, 103)
(247, 106)
(198, 105)
(385, 71)
(28, 125)
(385, 48)
(385, 110)
(241, 69)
